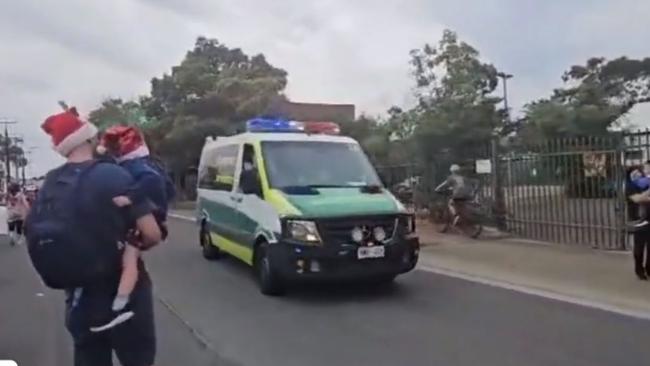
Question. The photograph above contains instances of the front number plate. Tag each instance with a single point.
(371, 252)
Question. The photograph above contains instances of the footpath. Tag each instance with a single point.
(602, 279)
(577, 274)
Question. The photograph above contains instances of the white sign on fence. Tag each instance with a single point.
(483, 166)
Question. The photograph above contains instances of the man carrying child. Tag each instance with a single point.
(74, 235)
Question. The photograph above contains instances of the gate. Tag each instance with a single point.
(566, 191)
(563, 190)
(569, 190)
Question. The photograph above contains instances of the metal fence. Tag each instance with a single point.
(565, 190)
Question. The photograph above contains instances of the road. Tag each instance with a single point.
(31, 321)
(211, 313)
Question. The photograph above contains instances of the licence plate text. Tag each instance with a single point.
(371, 252)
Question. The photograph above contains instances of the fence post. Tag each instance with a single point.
(620, 207)
(498, 209)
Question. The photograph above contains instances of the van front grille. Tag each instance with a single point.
(339, 230)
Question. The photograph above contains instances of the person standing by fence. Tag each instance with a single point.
(638, 202)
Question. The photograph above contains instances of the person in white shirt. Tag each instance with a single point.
(17, 209)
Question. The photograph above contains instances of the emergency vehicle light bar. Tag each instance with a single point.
(273, 125)
(283, 125)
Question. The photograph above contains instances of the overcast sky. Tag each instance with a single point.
(349, 51)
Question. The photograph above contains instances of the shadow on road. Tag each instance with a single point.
(337, 292)
(322, 292)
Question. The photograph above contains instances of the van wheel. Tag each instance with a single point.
(268, 280)
(209, 251)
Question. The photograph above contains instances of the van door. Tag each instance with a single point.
(255, 214)
(216, 189)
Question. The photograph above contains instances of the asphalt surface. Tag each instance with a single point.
(32, 329)
(212, 313)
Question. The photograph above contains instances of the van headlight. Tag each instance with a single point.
(302, 230)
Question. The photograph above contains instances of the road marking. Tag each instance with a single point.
(639, 314)
(199, 337)
(203, 340)
(181, 217)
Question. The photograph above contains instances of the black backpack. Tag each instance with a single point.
(64, 248)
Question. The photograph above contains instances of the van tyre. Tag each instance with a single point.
(209, 251)
(268, 279)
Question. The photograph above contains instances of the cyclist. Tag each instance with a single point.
(461, 190)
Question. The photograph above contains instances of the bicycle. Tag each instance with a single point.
(468, 219)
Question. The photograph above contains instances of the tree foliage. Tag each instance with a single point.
(456, 108)
(214, 88)
(209, 92)
(13, 148)
(455, 90)
(595, 98)
(116, 111)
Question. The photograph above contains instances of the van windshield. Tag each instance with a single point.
(317, 164)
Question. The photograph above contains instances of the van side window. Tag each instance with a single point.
(218, 169)
(249, 181)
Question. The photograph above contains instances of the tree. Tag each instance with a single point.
(595, 97)
(456, 106)
(216, 81)
(115, 111)
(371, 133)
(401, 124)
(15, 152)
(211, 92)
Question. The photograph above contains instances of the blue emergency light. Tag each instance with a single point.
(273, 125)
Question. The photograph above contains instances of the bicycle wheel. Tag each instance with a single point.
(440, 218)
(470, 228)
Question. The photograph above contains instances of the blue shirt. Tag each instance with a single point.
(148, 184)
(109, 223)
(642, 183)
(96, 192)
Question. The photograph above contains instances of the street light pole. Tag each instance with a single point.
(504, 76)
(497, 184)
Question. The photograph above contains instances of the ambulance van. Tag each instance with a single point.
(296, 201)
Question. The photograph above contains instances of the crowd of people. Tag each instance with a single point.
(86, 229)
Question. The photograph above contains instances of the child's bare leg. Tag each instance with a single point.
(128, 278)
(121, 201)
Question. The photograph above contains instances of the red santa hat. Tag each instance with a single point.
(68, 131)
(124, 142)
